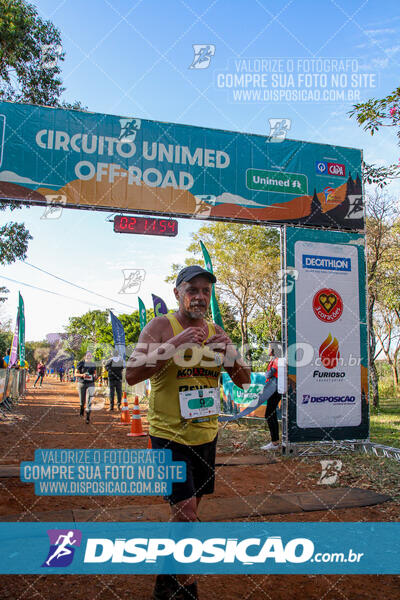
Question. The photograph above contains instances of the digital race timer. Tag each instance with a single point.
(146, 225)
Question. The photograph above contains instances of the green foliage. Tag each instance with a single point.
(29, 72)
(245, 261)
(93, 331)
(24, 75)
(5, 342)
(13, 242)
(36, 351)
(372, 115)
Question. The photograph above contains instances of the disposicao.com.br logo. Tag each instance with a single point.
(191, 550)
(62, 543)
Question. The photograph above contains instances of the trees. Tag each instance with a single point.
(30, 57)
(372, 115)
(383, 246)
(93, 330)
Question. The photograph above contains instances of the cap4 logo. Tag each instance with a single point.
(329, 352)
(61, 551)
(329, 168)
(327, 305)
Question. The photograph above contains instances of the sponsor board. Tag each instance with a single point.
(328, 319)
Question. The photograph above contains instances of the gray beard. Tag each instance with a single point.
(199, 314)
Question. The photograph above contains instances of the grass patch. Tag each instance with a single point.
(235, 437)
(371, 472)
(385, 423)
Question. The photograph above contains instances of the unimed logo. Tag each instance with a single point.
(191, 550)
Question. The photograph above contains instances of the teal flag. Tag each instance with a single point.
(21, 330)
(216, 314)
(142, 314)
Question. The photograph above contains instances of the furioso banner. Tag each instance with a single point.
(87, 160)
(326, 336)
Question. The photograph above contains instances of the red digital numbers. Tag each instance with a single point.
(145, 226)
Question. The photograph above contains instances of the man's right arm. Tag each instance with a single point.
(156, 346)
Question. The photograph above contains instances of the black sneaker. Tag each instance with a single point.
(88, 417)
(166, 588)
(187, 592)
(81, 411)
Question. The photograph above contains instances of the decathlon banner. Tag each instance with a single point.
(90, 160)
(326, 336)
(212, 548)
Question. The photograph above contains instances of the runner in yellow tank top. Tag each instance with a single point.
(164, 415)
(178, 353)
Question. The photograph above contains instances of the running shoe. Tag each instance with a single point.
(270, 446)
(88, 417)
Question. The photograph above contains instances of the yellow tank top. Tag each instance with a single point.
(164, 410)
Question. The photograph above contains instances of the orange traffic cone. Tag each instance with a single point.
(149, 443)
(136, 424)
(125, 417)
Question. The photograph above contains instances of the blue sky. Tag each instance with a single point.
(133, 58)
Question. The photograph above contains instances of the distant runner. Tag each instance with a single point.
(86, 376)
(41, 371)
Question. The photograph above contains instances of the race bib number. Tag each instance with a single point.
(88, 377)
(199, 403)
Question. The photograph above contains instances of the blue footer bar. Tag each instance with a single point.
(212, 548)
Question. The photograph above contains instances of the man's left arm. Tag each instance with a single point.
(234, 364)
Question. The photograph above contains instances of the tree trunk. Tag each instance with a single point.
(373, 373)
(373, 376)
(395, 373)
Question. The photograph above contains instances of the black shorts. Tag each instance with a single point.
(200, 468)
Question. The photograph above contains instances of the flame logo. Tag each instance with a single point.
(329, 352)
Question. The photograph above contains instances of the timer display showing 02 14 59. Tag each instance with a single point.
(145, 226)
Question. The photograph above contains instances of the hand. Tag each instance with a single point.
(221, 342)
(191, 335)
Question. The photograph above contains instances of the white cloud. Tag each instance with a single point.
(393, 50)
(379, 31)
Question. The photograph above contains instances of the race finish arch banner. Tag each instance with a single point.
(327, 346)
(96, 161)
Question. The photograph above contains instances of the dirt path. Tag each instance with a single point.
(49, 418)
